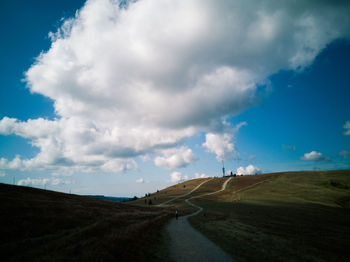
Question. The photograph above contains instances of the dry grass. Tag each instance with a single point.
(169, 192)
(299, 216)
(238, 184)
(43, 225)
(293, 216)
(211, 186)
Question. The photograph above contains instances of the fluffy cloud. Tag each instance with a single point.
(175, 158)
(43, 181)
(347, 128)
(315, 156)
(176, 177)
(128, 80)
(34, 181)
(249, 170)
(59, 181)
(221, 144)
(197, 175)
(140, 180)
(68, 144)
(345, 154)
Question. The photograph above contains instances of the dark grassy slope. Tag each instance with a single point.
(169, 192)
(40, 225)
(301, 216)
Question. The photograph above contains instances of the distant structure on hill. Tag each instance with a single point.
(223, 168)
(232, 174)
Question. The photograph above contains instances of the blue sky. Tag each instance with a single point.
(172, 102)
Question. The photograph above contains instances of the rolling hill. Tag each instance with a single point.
(294, 216)
(41, 225)
(291, 216)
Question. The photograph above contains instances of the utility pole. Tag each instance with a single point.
(223, 168)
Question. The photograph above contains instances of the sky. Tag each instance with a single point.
(124, 98)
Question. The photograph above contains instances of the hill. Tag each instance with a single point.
(293, 216)
(44, 225)
(109, 198)
(177, 192)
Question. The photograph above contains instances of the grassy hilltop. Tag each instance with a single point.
(296, 216)
(41, 225)
(176, 191)
(292, 216)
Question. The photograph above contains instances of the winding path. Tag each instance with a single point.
(187, 244)
(186, 194)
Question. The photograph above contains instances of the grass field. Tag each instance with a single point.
(41, 225)
(211, 186)
(300, 216)
(293, 216)
(169, 193)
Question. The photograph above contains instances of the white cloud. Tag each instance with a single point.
(140, 180)
(221, 144)
(33, 181)
(2, 174)
(239, 125)
(176, 177)
(130, 81)
(197, 175)
(175, 158)
(43, 181)
(347, 128)
(315, 156)
(345, 154)
(59, 181)
(248, 170)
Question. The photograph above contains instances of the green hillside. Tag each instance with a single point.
(300, 216)
(293, 216)
(41, 225)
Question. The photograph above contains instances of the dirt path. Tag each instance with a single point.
(187, 244)
(186, 194)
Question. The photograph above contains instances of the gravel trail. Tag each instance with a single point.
(186, 194)
(187, 244)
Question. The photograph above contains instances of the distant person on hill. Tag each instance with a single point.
(176, 214)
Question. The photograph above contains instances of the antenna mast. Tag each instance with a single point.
(223, 168)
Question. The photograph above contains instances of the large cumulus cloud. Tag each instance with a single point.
(175, 158)
(128, 80)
